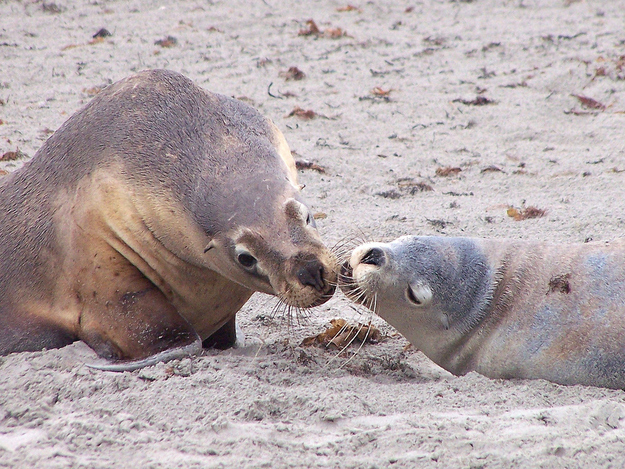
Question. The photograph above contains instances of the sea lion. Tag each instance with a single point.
(503, 308)
(147, 220)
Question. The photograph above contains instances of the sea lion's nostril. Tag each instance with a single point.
(375, 256)
(311, 275)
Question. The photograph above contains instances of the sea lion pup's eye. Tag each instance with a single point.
(411, 297)
(419, 294)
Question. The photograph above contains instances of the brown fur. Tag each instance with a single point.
(124, 229)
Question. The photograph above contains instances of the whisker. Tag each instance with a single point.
(289, 318)
(303, 315)
(363, 308)
(342, 243)
(262, 344)
(359, 295)
(278, 307)
(345, 245)
(362, 312)
(338, 333)
(362, 343)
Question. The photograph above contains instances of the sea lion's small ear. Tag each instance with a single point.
(209, 246)
(419, 294)
(297, 210)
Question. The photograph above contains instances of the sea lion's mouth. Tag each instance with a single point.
(346, 280)
(307, 297)
(324, 297)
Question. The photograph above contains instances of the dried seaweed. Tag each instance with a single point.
(446, 171)
(305, 114)
(341, 334)
(349, 8)
(313, 30)
(293, 73)
(377, 91)
(167, 42)
(525, 213)
(478, 101)
(590, 103)
(305, 164)
(13, 155)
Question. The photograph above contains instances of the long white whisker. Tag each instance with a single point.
(362, 343)
(338, 333)
(351, 341)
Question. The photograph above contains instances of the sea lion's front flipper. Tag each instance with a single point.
(136, 329)
(224, 338)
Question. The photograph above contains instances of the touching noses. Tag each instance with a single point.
(311, 275)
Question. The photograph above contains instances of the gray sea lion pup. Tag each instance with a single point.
(503, 308)
(147, 220)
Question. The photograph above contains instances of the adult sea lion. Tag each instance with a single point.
(503, 308)
(147, 220)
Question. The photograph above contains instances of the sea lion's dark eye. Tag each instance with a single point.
(419, 294)
(411, 297)
(246, 260)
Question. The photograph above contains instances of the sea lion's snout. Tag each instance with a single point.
(311, 275)
(368, 256)
(301, 274)
(374, 256)
(360, 271)
(317, 270)
(313, 282)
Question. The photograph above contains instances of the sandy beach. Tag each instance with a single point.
(430, 117)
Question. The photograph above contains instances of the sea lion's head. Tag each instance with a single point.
(419, 284)
(374, 275)
(222, 190)
(276, 250)
(262, 233)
